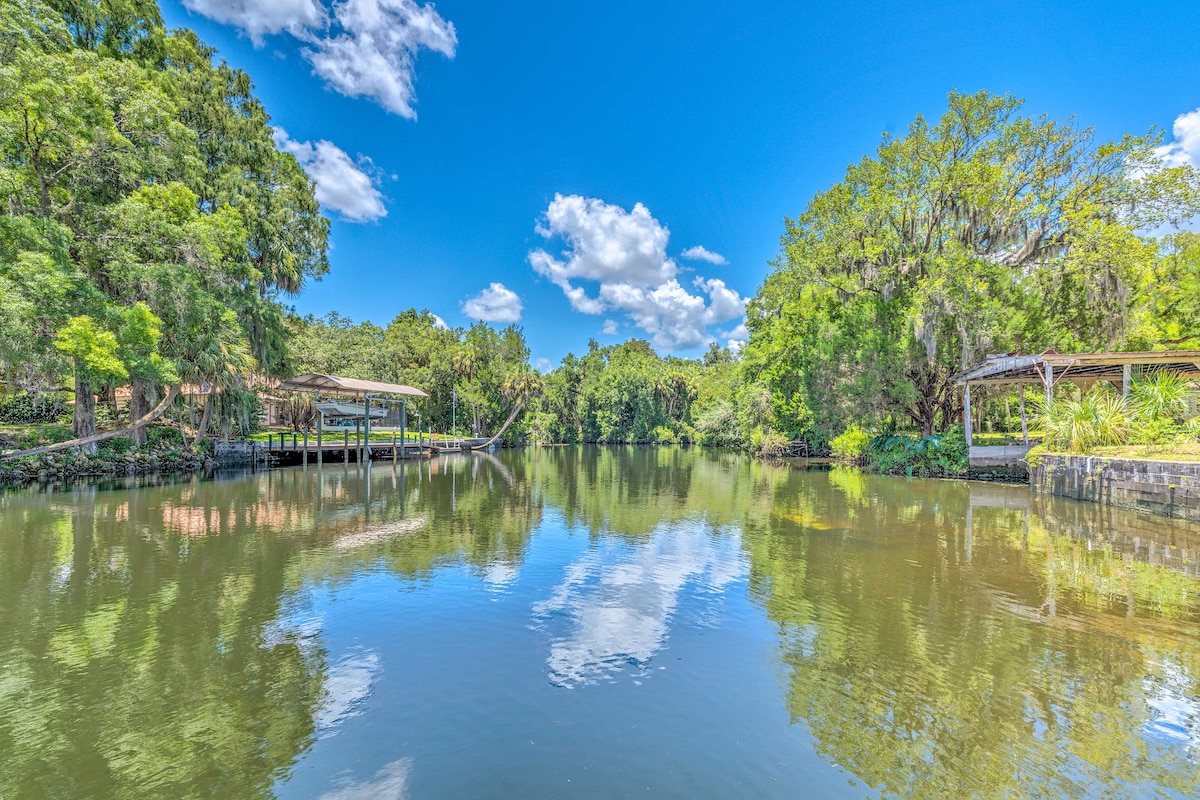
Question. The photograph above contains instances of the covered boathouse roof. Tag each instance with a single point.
(333, 384)
(1012, 368)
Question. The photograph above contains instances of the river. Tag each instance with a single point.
(592, 623)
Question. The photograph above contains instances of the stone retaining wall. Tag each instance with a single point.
(237, 452)
(1169, 488)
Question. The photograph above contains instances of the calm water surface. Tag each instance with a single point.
(593, 623)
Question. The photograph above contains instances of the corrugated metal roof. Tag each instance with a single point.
(333, 384)
(1012, 368)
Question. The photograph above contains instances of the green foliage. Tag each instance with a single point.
(149, 220)
(1100, 418)
(42, 435)
(164, 437)
(1154, 414)
(117, 446)
(96, 351)
(28, 409)
(1162, 394)
(851, 444)
(938, 454)
(984, 231)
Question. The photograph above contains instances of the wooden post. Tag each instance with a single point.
(358, 441)
(345, 445)
(367, 427)
(403, 420)
(305, 462)
(967, 413)
(393, 445)
(1126, 379)
(1024, 422)
(320, 430)
(294, 438)
(1049, 379)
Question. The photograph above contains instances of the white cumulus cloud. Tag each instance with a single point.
(1185, 147)
(373, 54)
(624, 253)
(260, 17)
(497, 303)
(360, 48)
(343, 185)
(699, 253)
(736, 339)
(609, 328)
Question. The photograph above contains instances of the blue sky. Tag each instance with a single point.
(557, 163)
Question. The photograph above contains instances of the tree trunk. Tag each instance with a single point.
(96, 437)
(108, 396)
(83, 423)
(204, 418)
(139, 406)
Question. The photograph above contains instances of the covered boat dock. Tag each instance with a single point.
(351, 400)
(1050, 369)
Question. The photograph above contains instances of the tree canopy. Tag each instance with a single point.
(149, 222)
(985, 231)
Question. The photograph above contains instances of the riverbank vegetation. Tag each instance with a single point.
(152, 231)
(149, 224)
(1157, 419)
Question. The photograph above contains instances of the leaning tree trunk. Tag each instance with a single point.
(202, 428)
(83, 423)
(139, 406)
(81, 443)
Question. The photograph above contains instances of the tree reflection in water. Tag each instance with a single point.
(947, 640)
(938, 639)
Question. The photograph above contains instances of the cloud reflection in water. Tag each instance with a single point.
(616, 603)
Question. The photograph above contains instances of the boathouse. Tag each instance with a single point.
(350, 401)
(1050, 369)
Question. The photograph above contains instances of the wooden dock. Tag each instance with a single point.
(289, 450)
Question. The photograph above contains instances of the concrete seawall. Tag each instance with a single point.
(1169, 488)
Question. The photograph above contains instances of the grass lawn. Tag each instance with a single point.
(999, 439)
(1189, 451)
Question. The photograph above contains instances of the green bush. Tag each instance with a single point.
(40, 437)
(117, 446)
(1162, 395)
(27, 409)
(163, 437)
(1101, 418)
(852, 444)
(940, 454)
(1155, 430)
(768, 443)
(664, 435)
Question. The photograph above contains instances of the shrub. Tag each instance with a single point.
(28, 409)
(940, 454)
(39, 437)
(852, 444)
(1098, 419)
(1155, 430)
(117, 446)
(768, 443)
(1162, 395)
(160, 437)
(664, 435)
